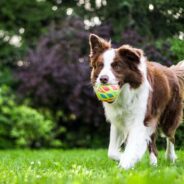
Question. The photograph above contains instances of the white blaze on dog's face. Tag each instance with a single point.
(106, 75)
(114, 66)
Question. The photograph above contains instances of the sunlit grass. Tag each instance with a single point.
(83, 166)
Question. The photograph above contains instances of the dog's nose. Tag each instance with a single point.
(104, 79)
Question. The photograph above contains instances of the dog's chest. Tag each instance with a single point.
(129, 107)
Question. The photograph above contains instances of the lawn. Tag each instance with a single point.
(83, 166)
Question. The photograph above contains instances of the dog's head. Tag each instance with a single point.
(115, 66)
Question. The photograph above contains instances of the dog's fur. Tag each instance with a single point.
(151, 96)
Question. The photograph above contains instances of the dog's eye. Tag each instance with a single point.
(115, 66)
(94, 66)
(100, 65)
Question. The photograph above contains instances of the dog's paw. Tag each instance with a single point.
(126, 163)
(153, 159)
(171, 156)
(114, 156)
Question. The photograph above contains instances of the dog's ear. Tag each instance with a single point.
(130, 54)
(97, 45)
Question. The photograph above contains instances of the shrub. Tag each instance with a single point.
(22, 126)
(57, 76)
(31, 128)
(177, 46)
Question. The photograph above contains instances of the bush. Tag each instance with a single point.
(57, 76)
(177, 46)
(22, 126)
(31, 128)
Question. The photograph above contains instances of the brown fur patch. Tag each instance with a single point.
(125, 66)
(152, 145)
(165, 101)
(97, 65)
(97, 47)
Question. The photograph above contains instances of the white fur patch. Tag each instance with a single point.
(115, 143)
(153, 159)
(127, 114)
(170, 152)
(181, 63)
(108, 57)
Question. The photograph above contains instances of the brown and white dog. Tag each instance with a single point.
(151, 96)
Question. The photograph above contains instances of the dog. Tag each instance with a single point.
(151, 97)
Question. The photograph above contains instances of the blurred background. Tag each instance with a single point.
(46, 100)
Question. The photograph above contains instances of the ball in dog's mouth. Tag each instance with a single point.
(107, 93)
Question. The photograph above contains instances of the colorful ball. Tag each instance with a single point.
(107, 93)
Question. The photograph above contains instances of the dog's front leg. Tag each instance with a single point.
(135, 147)
(116, 139)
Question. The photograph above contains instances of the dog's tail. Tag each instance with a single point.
(179, 71)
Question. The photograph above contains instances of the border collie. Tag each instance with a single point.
(151, 97)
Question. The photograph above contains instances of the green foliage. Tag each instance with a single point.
(30, 127)
(162, 20)
(84, 167)
(27, 20)
(177, 47)
(31, 15)
(5, 76)
(22, 126)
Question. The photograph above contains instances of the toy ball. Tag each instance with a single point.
(107, 93)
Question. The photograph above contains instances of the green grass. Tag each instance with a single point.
(83, 166)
